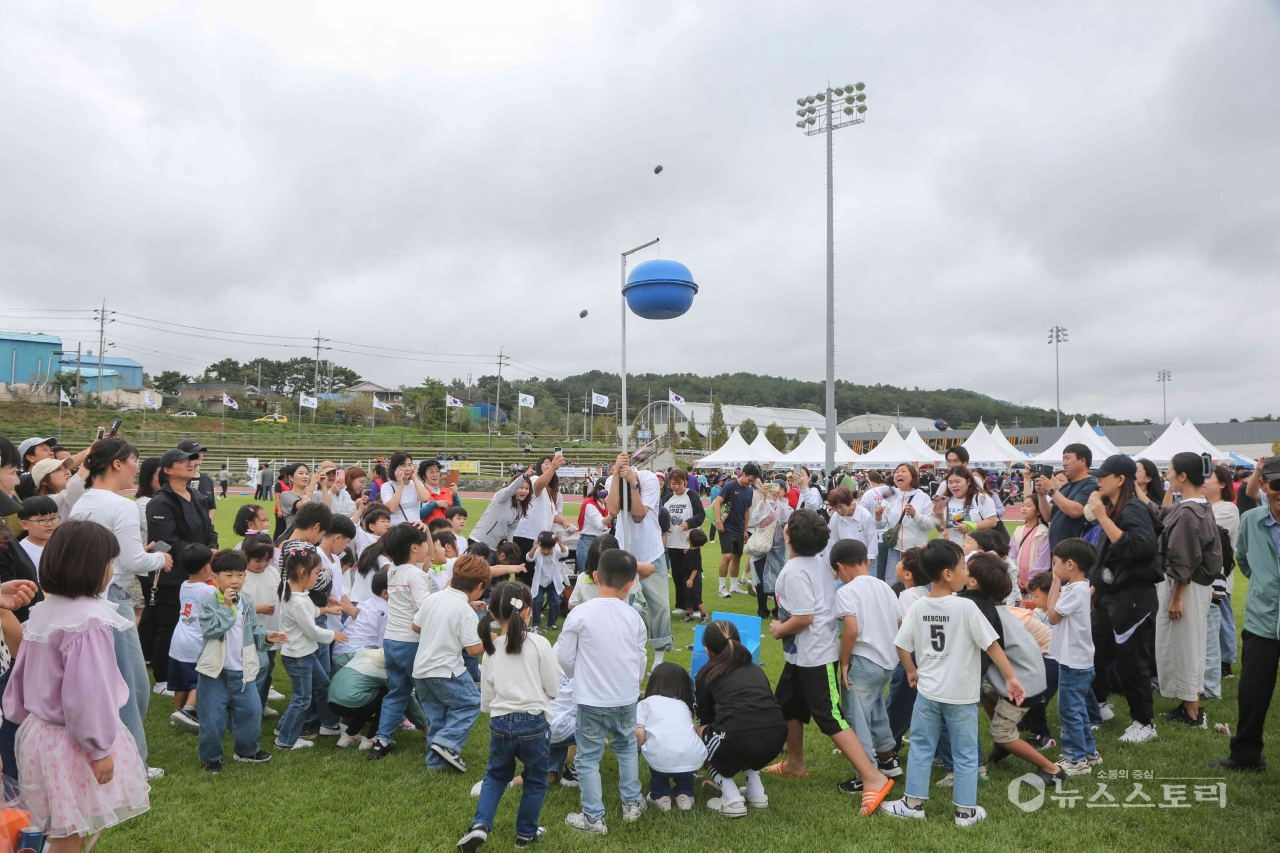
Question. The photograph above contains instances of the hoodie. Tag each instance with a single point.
(1191, 545)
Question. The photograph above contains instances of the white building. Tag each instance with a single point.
(654, 417)
(881, 424)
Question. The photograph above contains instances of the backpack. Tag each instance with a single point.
(1228, 553)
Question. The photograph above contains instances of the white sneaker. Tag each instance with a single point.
(582, 823)
(297, 744)
(331, 731)
(1138, 733)
(155, 772)
(737, 807)
(899, 808)
(684, 802)
(724, 593)
(270, 712)
(979, 814)
(663, 803)
(162, 689)
(631, 811)
(346, 741)
(183, 719)
(1106, 711)
(274, 695)
(1076, 768)
(366, 743)
(679, 611)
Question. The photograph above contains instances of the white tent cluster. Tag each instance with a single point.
(1181, 437)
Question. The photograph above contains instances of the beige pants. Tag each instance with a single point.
(1180, 643)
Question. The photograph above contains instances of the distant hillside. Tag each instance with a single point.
(955, 405)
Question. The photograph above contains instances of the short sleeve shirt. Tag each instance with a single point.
(1063, 526)
(871, 601)
(1072, 641)
(947, 636)
(805, 587)
(737, 499)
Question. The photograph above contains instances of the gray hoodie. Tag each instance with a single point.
(1191, 544)
(500, 518)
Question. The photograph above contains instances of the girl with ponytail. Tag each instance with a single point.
(739, 719)
(519, 677)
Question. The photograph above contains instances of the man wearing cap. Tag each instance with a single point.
(202, 483)
(32, 451)
(1256, 554)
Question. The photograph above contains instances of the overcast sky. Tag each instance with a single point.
(456, 177)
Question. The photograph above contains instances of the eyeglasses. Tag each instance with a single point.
(46, 520)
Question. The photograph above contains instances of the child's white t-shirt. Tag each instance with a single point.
(33, 550)
(1072, 641)
(546, 568)
(871, 601)
(407, 589)
(806, 587)
(187, 641)
(449, 625)
(264, 588)
(336, 589)
(603, 648)
(564, 714)
(671, 745)
(947, 636)
(367, 629)
(910, 596)
(359, 587)
(980, 508)
(441, 575)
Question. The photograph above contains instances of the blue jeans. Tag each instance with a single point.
(669, 784)
(1227, 632)
(926, 726)
(264, 678)
(864, 705)
(594, 726)
(452, 706)
(516, 737)
(580, 552)
(133, 666)
(656, 590)
(546, 596)
(881, 567)
(559, 756)
(216, 698)
(1075, 694)
(1213, 655)
(324, 657)
(398, 656)
(902, 698)
(310, 683)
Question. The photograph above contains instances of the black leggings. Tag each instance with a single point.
(167, 615)
(357, 718)
(1134, 658)
(525, 546)
(762, 597)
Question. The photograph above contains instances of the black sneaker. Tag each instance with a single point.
(525, 842)
(1231, 764)
(471, 842)
(998, 754)
(1041, 742)
(259, 757)
(1180, 715)
(1226, 671)
(310, 732)
(213, 766)
(889, 766)
(851, 786)
(380, 749)
(1051, 778)
(450, 757)
(691, 617)
(569, 778)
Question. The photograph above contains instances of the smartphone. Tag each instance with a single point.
(559, 450)
(160, 547)
(101, 432)
(115, 427)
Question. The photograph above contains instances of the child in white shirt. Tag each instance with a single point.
(604, 648)
(449, 695)
(548, 578)
(187, 642)
(262, 587)
(947, 634)
(869, 610)
(564, 722)
(668, 738)
(307, 641)
(519, 679)
(367, 628)
(1070, 603)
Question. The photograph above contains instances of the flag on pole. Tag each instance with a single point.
(599, 400)
(452, 402)
(526, 401)
(228, 402)
(380, 406)
(63, 398)
(673, 397)
(308, 402)
(149, 399)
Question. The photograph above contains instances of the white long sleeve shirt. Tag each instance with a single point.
(298, 621)
(915, 530)
(861, 525)
(119, 515)
(519, 684)
(603, 649)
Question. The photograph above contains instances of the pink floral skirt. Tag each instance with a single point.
(58, 783)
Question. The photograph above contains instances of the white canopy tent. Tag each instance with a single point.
(1218, 455)
(1102, 439)
(764, 452)
(844, 453)
(1177, 438)
(1012, 453)
(986, 452)
(810, 452)
(893, 450)
(1075, 434)
(734, 452)
(927, 453)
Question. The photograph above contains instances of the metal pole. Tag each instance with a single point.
(1057, 381)
(623, 408)
(831, 301)
(102, 345)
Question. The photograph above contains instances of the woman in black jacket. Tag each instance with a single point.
(1124, 579)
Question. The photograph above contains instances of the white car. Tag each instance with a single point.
(183, 415)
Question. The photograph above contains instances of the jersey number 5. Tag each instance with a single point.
(937, 637)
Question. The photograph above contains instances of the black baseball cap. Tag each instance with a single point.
(1120, 465)
(172, 457)
(1271, 469)
(190, 445)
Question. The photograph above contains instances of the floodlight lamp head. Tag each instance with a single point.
(839, 92)
(862, 108)
(860, 98)
(859, 86)
(821, 97)
(800, 123)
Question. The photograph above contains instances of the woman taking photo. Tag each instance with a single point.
(810, 497)
(906, 519)
(403, 493)
(543, 512)
(1192, 560)
(350, 500)
(1124, 578)
(505, 511)
(963, 507)
(1029, 544)
(298, 477)
(1150, 486)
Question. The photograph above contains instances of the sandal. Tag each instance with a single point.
(778, 770)
(871, 800)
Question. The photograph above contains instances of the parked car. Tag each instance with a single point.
(183, 415)
(133, 409)
(277, 418)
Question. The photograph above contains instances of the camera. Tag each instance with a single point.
(1042, 470)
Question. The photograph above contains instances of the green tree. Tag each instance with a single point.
(776, 436)
(605, 430)
(748, 430)
(169, 381)
(426, 402)
(226, 370)
(672, 439)
(692, 438)
(718, 434)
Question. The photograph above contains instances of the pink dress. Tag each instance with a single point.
(66, 693)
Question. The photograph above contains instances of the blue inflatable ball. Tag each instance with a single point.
(657, 169)
(660, 289)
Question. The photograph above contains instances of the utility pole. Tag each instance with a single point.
(102, 345)
(315, 382)
(497, 413)
(567, 400)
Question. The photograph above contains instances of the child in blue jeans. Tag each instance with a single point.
(604, 648)
(517, 684)
(307, 641)
(1072, 646)
(947, 635)
(668, 739)
(447, 627)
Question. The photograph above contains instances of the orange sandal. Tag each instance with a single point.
(778, 770)
(871, 800)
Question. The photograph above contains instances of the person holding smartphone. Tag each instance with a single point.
(405, 492)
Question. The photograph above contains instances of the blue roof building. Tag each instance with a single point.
(128, 370)
(27, 358)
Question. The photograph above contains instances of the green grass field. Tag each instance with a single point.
(325, 799)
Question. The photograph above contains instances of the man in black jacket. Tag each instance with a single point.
(177, 515)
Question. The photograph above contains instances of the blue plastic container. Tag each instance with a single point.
(749, 628)
(660, 289)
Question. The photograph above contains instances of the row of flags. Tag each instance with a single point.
(450, 401)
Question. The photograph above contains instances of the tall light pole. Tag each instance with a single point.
(817, 114)
(1057, 336)
(1164, 377)
(623, 410)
